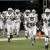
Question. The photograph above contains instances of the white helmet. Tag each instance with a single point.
(27, 11)
(4, 12)
(33, 10)
(47, 10)
(10, 9)
(17, 10)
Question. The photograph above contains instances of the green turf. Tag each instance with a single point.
(22, 45)
(21, 34)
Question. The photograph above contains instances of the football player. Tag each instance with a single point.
(17, 21)
(31, 24)
(10, 23)
(4, 21)
(46, 26)
(26, 15)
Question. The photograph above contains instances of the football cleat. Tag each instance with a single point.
(8, 39)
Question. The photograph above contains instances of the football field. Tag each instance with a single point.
(21, 43)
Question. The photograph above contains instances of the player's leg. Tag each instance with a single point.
(3, 29)
(32, 39)
(8, 32)
(26, 31)
(13, 28)
(31, 35)
(46, 38)
(17, 29)
(11, 34)
(30, 32)
(34, 32)
(0, 26)
(49, 33)
(46, 42)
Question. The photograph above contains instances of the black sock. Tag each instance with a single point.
(47, 47)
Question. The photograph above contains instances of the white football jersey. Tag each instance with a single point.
(9, 18)
(32, 19)
(25, 18)
(46, 20)
(18, 16)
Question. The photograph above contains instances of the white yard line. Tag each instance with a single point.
(5, 39)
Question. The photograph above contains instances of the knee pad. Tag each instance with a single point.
(8, 36)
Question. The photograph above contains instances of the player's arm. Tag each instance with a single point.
(36, 18)
(41, 23)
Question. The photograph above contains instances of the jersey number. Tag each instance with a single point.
(31, 18)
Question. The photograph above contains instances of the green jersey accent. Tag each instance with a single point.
(49, 22)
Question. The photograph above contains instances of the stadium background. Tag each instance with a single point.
(22, 43)
(23, 5)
